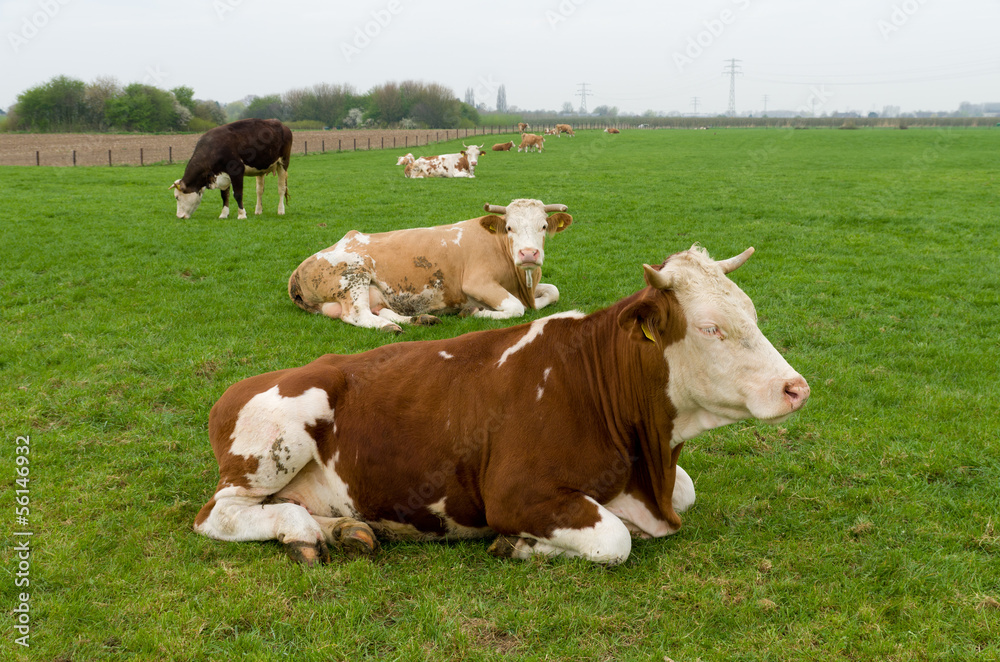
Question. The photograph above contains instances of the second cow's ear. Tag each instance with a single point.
(493, 223)
(559, 222)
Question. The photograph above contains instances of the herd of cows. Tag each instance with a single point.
(556, 437)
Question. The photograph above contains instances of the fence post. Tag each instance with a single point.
(305, 147)
(140, 157)
(170, 155)
(109, 157)
(369, 143)
(322, 145)
(338, 144)
(383, 142)
(38, 159)
(74, 157)
(355, 144)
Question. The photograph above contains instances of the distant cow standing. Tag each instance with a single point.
(522, 127)
(531, 141)
(564, 128)
(503, 147)
(225, 154)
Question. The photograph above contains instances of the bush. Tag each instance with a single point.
(849, 124)
(199, 125)
(306, 125)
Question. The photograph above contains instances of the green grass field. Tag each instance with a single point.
(864, 528)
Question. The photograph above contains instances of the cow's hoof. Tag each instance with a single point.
(308, 554)
(468, 312)
(503, 547)
(356, 539)
(392, 328)
(426, 320)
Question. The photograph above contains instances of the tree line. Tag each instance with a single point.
(66, 104)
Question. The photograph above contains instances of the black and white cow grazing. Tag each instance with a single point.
(225, 154)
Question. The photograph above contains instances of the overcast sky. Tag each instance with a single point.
(637, 55)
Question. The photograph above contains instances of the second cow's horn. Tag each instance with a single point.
(551, 208)
(495, 209)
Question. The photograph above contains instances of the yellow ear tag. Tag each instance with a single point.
(646, 332)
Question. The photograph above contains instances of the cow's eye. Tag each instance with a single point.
(713, 331)
(545, 226)
(510, 229)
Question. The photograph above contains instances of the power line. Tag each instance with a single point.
(733, 70)
(583, 98)
(694, 103)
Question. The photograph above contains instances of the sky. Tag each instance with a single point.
(636, 55)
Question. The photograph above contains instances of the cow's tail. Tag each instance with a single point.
(295, 292)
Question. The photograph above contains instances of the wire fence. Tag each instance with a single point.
(74, 149)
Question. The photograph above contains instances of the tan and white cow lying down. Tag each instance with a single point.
(557, 437)
(462, 164)
(489, 266)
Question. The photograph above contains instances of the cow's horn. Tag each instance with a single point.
(734, 263)
(495, 209)
(551, 208)
(657, 278)
(172, 186)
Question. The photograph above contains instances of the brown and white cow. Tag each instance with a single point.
(462, 164)
(489, 266)
(227, 153)
(531, 141)
(559, 437)
(611, 129)
(551, 132)
(522, 127)
(503, 147)
(564, 128)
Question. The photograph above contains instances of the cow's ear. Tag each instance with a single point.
(559, 222)
(493, 223)
(644, 320)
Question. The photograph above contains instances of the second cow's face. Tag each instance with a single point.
(526, 224)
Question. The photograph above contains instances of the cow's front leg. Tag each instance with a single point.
(504, 304)
(236, 181)
(225, 202)
(259, 209)
(578, 526)
(282, 189)
(545, 295)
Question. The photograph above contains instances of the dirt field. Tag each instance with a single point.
(57, 149)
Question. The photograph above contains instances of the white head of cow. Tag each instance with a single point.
(472, 153)
(722, 368)
(405, 159)
(186, 202)
(525, 224)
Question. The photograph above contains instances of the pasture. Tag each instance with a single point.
(867, 527)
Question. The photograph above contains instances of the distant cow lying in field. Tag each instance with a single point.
(560, 437)
(225, 154)
(529, 141)
(611, 129)
(564, 128)
(462, 164)
(551, 132)
(503, 147)
(489, 266)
